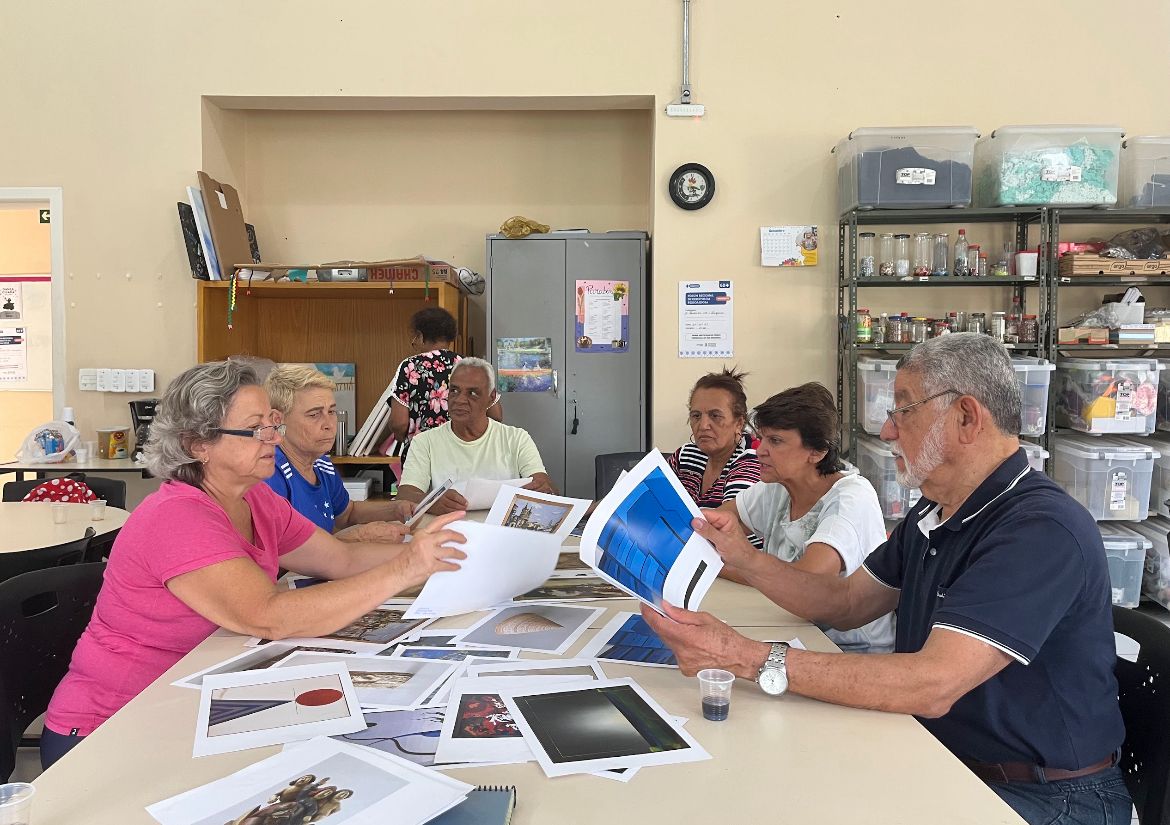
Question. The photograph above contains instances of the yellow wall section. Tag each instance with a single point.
(112, 113)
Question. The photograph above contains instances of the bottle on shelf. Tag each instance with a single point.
(961, 268)
(923, 254)
(1002, 266)
(973, 260)
(942, 255)
(894, 329)
(982, 264)
(886, 265)
(865, 260)
(864, 327)
(998, 328)
(907, 329)
(878, 333)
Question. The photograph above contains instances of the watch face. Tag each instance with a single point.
(692, 186)
(773, 681)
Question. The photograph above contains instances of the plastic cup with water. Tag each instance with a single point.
(97, 509)
(715, 693)
(60, 511)
(16, 803)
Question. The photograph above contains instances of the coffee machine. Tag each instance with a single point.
(141, 414)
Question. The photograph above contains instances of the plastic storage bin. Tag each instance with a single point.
(1111, 478)
(1108, 396)
(1034, 375)
(1160, 480)
(1037, 455)
(1162, 421)
(875, 462)
(1145, 172)
(875, 379)
(1048, 165)
(1156, 575)
(905, 168)
(1125, 550)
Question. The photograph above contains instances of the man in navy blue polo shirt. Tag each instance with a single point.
(1004, 646)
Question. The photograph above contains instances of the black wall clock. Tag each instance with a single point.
(692, 186)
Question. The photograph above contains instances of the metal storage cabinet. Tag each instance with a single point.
(531, 293)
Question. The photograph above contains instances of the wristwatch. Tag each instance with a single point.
(773, 674)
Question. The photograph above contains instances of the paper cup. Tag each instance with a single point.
(97, 510)
(60, 512)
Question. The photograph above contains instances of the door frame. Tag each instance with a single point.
(54, 196)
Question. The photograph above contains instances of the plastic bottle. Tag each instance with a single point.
(961, 255)
(67, 416)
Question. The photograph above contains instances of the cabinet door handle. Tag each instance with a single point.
(555, 383)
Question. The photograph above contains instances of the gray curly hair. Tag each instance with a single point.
(191, 409)
(470, 362)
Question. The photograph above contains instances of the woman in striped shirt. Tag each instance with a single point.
(718, 463)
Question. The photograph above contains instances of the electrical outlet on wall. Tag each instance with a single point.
(117, 380)
(146, 380)
(87, 380)
(103, 380)
(132, 381)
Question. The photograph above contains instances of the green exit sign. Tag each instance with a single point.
(43, 214)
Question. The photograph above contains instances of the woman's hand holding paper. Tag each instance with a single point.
(428, 552)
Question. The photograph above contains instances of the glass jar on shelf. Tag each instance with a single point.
(902, 255)
(918, 330)
(982, 264)
(998, 328)
(973, 259)
(977, 322)
(894, 329)
(907, 329)
(942, 254)
(865, 260)
(886, 255)
(879, 325)
(941, 327)
(1029, 330)
(923, 254)
(864, 327)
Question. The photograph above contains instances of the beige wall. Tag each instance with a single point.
(24, 250)
(113, 115)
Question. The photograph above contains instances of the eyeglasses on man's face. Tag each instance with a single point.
(897, 416)
(266, 434)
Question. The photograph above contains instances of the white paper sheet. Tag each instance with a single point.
(384, 788)
(588, 704)
(253, 658)
(255, 708)
(481, 492)
(475, 703)
(384, 682)
(501, 563)
(543, 628)
(569, 668)
(640, 539)
(539, 512)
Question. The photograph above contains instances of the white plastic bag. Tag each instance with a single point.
(49, 443)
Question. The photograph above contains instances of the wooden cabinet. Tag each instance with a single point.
(366, 324)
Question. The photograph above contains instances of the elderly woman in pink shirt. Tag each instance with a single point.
(204, 550)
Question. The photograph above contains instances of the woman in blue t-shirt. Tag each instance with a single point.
(303, 401)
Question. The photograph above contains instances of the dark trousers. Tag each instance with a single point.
(55, 745)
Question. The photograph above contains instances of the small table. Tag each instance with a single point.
(385, 463)
(28, 525)
(97, 466)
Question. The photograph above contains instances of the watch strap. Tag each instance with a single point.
(776, 659)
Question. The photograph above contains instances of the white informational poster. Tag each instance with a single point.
(11, 301)
(13, 355)
(705, 319)
(603, 317)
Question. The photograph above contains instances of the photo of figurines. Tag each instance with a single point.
(333, 789)
(306, 799)
(383, 681)
(484, 716)
(530, 513)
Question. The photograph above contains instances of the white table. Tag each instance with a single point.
(775, 760)
(96, 466)
(28, 525)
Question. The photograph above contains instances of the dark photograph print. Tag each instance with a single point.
(484, 716)
(379, 626)
(597, 723)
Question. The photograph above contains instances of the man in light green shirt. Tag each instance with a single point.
(470, 445)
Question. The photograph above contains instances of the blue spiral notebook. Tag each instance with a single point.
(486, 805)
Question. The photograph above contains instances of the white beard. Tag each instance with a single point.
(931, 454)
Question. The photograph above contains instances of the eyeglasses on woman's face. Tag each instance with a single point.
(266, 434)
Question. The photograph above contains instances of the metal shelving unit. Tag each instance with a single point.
(848, 285)
(1048, 283)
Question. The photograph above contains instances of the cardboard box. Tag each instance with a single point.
(413, 269)
(1083, 335)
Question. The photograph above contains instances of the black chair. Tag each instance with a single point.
(61, 555)
(1144, 692)
(42, 615)
(608, 466)
(114, 492)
